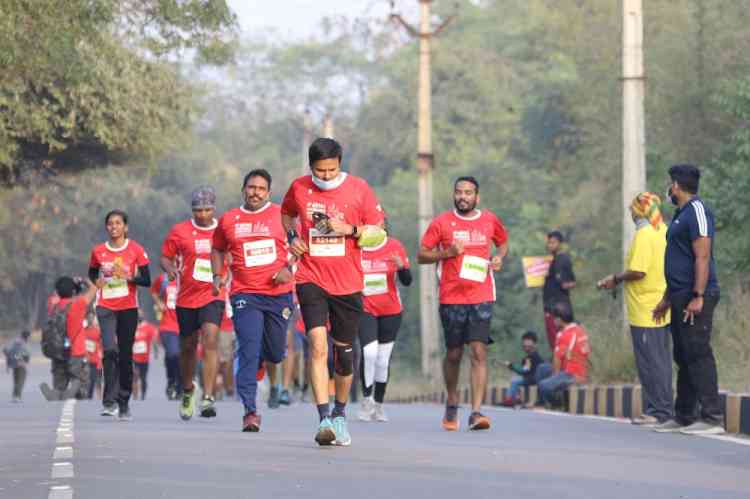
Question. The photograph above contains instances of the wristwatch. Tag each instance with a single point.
(697, 294)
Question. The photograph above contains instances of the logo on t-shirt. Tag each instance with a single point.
(202, 246)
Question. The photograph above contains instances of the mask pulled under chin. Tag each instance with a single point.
(327, 185)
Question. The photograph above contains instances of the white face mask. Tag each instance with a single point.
(327, 185)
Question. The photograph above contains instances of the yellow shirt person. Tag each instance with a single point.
(646, 255)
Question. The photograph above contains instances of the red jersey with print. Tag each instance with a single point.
(167, 291)
(258, 249)
(145, 335)
(466, 279)
(333, 261)
(116, 266)
(93, 345)
(190, 245)
(74, 324)
(380, 294)
(573, 349)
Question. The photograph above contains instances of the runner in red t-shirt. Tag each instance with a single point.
(186, 257)
(571, 357)
(145, 336)
(381, 320)
(123, 264)
(226, 351)
(164, 292)
(70, 375)
(335, 210)
(254, 239)
(460, 242)
(93, 355)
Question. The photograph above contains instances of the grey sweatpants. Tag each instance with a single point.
(653, 358)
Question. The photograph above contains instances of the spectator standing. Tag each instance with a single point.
(644, 288)
(558, 283)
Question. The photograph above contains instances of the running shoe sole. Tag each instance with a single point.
(481, 424)
(187, 413)
(450, 425)
(326, 436)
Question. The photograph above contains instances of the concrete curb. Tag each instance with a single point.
(616, 401)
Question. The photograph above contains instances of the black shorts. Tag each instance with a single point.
(383, 329)
(190, 320)
(318, 307)
(463, 324)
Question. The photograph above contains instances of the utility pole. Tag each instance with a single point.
(306, 141)
(428, 300)
(633, 123)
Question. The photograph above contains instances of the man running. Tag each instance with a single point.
(261, 287)
(459, 242)
(336, 212)
(199, 310)
(380, 322)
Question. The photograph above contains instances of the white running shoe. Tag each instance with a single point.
(703, 428)
(380, 414)
(366, 409)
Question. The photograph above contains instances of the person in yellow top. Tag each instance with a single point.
(644, 287)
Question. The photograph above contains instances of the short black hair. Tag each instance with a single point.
(563, 311)
(687, 177)
(258, 172)
(116, 213)
(65, 287)
(467, 178)
(25, 334)
(557, 235)
(530, 335)
(324, 148)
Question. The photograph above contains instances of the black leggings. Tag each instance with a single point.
(118, 333)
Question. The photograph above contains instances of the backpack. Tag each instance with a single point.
(55, 333)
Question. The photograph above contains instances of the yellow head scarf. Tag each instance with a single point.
(646, 205)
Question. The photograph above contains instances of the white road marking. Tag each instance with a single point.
(63, 453)
(60, 492)
(64, 469)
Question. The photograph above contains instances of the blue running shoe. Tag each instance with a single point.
(325, 435)
(342, 432)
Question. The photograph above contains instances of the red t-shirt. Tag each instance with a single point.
(118, 294)
(467, 278)
(144, 337)
(380, 294)
(191, 246)
(333, 262)
(75, 317)
(573, 349)
(227, 326)
(257, 245)
(94, 345)
(168, 323)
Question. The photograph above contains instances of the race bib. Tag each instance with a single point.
(473, 268)
(375, 284)
(202, 270)
(171, 298)
(90, 346)
(115, 288)
(326, 244)
(259, 253)
(140, 347)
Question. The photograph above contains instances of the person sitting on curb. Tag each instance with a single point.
(526, 370)
(570, 360)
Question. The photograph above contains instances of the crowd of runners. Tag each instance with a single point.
(317, 275)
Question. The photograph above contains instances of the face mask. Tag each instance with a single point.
(327, 185)
(671, 196)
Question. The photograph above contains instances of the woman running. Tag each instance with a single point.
(123, 264)
(381, 320)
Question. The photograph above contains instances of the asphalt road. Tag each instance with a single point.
(525, 454)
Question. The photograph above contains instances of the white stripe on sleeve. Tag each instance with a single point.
(700, 214)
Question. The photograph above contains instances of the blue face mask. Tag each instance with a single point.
(327, 185)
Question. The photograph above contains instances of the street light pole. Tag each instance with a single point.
(428, 300)
(633, 122)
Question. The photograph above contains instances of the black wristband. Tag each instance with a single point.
(291, 235)
(354, 230)
(696, 294)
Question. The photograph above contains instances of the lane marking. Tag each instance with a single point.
(60, 492)
(63, 453)
(64, 469)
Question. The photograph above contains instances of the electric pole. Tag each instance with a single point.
(633, 123)
(428, 300)
(306, 141)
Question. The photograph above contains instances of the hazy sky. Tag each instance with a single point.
(298, 18)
